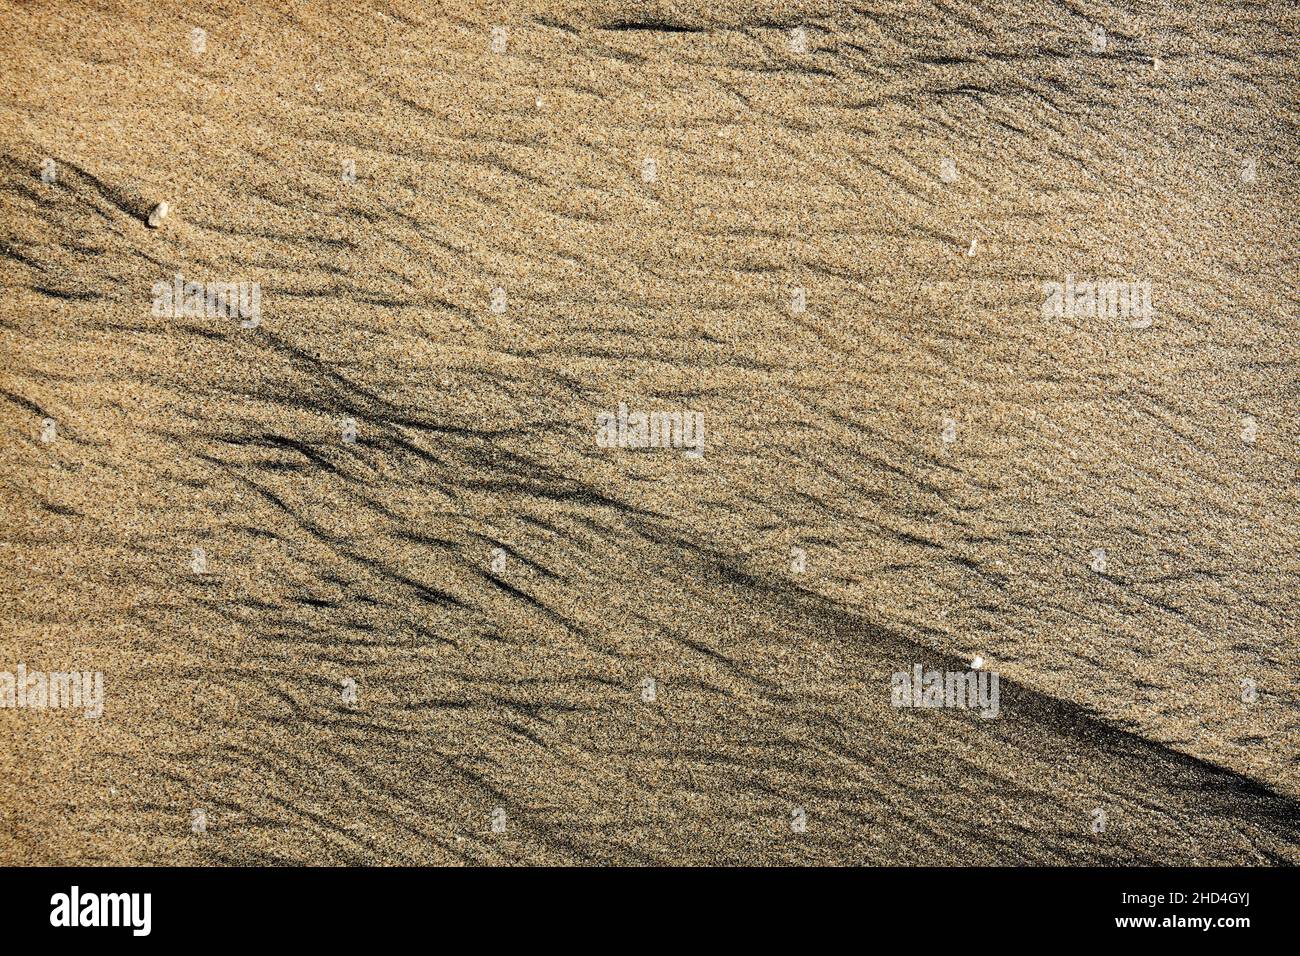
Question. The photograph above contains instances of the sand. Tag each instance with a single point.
(432, 621)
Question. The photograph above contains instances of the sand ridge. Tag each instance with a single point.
(905, 460)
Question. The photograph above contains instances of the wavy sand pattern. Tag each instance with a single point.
(496, 587)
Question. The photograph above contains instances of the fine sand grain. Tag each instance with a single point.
(363, 586)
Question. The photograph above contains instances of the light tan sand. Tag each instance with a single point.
(522, 688)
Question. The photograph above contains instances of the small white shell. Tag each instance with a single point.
(158, 215)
